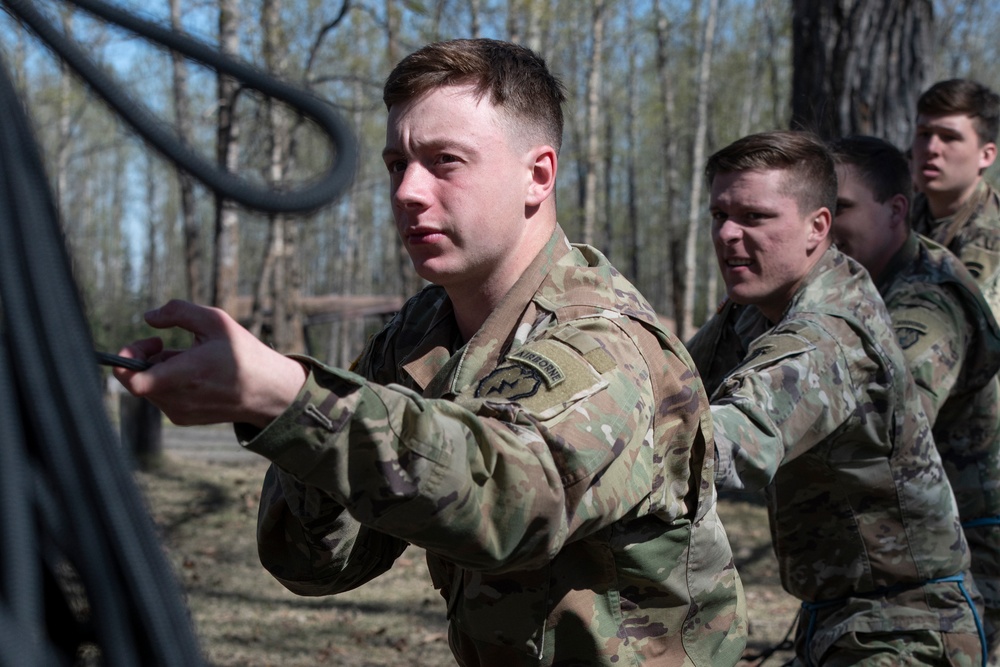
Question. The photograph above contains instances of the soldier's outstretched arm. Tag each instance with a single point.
(779, 403)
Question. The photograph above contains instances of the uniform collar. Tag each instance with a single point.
(436, 352)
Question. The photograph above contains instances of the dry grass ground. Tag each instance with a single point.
(206, 510)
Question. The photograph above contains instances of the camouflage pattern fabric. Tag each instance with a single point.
(973, 234)
(557, 469)
(896, 649)
(951, 342)
(821, 413)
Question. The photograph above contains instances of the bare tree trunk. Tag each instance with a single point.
(608, 237)
(859, 66)
(593, 94)
(193, 255)
(277, 297)
(524, 24)
(749, 107)
(513, 24)
(631, 112)
(227, 240)
(19, 65)
(953, 21)
(671, 273)
(777, 100)
(64, 123)
(152, 235)
(409, 282)
(350, 332)
(475, 26)
(691, 263)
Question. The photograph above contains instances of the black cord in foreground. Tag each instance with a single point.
(72, 518)
(323, 191)
(108, 359)
(72, 522)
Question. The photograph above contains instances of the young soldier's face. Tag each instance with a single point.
(948, 157)
(764, 244)
(863, 227)
(458, 187)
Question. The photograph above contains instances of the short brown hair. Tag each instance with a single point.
(811, 178)
(968, 97)
(882, 166)
(515, 78)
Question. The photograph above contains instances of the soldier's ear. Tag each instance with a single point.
(900, 206)
(987, 154)
(544, 166)
(819, 231)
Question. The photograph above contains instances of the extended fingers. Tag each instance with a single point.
(202, 321)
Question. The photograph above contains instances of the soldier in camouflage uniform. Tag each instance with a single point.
(812, 403)
(524, 419)
(954, 143)
(948, 335)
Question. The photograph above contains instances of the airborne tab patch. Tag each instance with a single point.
(547, 367)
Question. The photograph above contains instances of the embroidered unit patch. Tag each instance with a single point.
(908, 337)
(908, 331)
(512, 382)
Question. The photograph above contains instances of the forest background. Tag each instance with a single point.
(654, 87)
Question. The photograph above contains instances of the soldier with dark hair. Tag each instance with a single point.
(953, 145)
(948, 335)
(812, 402)
(524, 419)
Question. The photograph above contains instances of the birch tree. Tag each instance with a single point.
(276, 295)
(593, 93)
(671, 276)
(631, 157)
(225, 287)
(695, 212)
(194, 258)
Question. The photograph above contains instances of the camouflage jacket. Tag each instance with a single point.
(973, 234)
(952, 345)
(819, 411)
(556, 468)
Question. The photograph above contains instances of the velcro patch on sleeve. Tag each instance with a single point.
(773, 348)
(586, 345)
(544, 377)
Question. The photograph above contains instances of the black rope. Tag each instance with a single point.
(325, 190)
(76, 544)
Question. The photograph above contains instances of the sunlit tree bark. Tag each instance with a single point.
(194, 259)
(697, 206)
(227, 238)
(859, 66)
